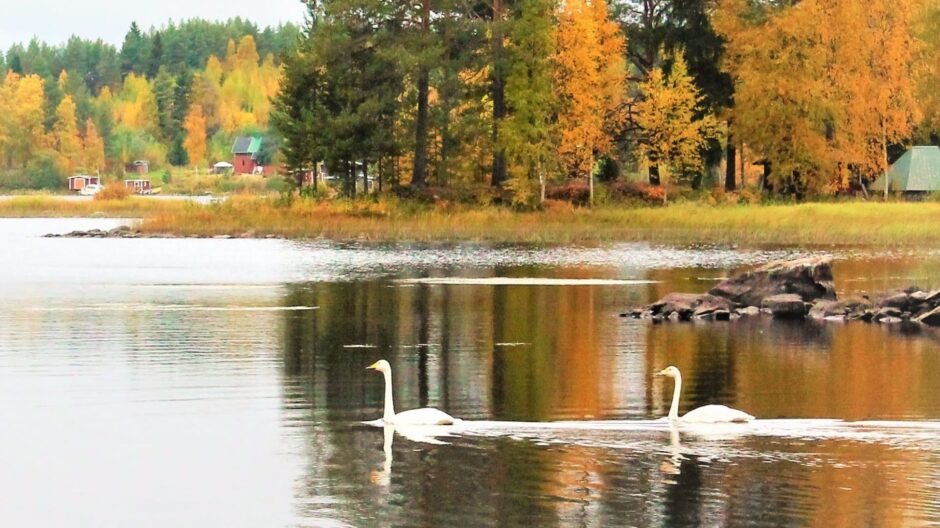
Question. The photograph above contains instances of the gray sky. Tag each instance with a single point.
(55, 20)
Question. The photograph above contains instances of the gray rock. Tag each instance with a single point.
(890, 320)
(900, 301)
(888, 311)
(931, 318)
(681, 304)
(749, 310)
(785, 305)
(851, 308)
(809, 278)
(709, 304)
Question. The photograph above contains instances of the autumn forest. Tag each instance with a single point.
(510, 101)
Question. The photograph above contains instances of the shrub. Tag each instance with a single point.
(14, 180)
(633, 190)
(575, 192)
(44, 172)
(113, 191)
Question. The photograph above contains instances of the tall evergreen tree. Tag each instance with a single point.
(132, 51)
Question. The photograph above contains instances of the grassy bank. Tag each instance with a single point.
(840, 224)
(819, 224)
(52, 206)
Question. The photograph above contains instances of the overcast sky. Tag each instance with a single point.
(54, 21)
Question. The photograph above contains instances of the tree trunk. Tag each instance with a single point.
(498, 95)
(365, 177)
(730, 168)
(380, 175)
(420, 168)
(591, 183)
(541, 184)
(421, 132)
(351, 178)
(884, 151)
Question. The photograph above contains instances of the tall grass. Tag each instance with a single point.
(823, 224)
(56, 206)
(804, 225)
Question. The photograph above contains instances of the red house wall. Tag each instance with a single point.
(244, 164)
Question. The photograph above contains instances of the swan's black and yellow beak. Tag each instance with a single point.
(373, 366)
(660, 374)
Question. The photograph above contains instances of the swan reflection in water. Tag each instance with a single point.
(427, 434)
(383, 477)
(672, 464)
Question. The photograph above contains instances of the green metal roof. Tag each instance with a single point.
(918, 170)
(247, 145)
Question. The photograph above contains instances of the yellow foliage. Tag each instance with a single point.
(22, 132)
(822, 86)
(590, 83)
(673, 137)
(93, 159)
(137, 105)
(195, 142)
(65, 137)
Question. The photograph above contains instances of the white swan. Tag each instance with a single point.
(706, 414)
(425, 416)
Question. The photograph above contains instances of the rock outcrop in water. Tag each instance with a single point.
(128, 232)
(794, 289)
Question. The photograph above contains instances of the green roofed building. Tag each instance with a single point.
(246, 150)
(917, 171)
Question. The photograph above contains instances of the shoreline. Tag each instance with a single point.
(819, 225)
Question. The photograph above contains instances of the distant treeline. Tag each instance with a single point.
(174, 95)
(531, 97)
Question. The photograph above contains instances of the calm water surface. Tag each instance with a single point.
(222, 383)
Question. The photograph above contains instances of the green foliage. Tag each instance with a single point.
(45, 172)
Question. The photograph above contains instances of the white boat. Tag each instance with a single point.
(91, 189)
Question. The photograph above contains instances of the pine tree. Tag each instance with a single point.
(165, 93)
(527, 130)
(132, 51)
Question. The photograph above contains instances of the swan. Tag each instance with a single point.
(425, 416)
(707, 414)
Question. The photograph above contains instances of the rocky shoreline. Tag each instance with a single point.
(128, 232)
(794, 289)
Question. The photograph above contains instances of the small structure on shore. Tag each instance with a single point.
(138, 186)
(222, 167)
(80, 181)
(246, 150)
(916, 172)
(140, 167)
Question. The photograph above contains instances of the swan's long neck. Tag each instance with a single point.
(674, 409)
(389, 406)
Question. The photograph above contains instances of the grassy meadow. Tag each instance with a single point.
(853, 223)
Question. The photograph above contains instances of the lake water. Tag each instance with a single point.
(221, 383)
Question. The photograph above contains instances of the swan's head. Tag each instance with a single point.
(669, 372)
(381, 366)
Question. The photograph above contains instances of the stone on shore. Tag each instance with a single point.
(809, 278)
(785, 306)
(851, 308)
(931, 318)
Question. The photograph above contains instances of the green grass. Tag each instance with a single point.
(802, 225)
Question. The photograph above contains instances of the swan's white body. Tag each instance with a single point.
(425, 416)
(709, 414)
